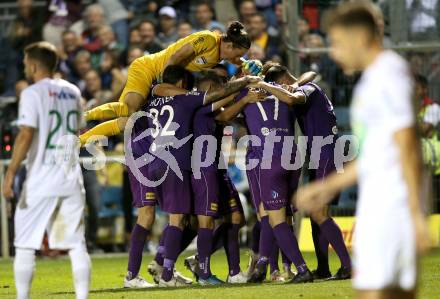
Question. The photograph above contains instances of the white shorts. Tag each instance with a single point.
(385, 253)
(61, 217)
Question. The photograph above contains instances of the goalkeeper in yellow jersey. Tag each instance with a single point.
(197, 52)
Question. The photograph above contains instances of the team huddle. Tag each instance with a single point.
(173, 111)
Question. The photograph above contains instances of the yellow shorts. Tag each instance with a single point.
(141, 74)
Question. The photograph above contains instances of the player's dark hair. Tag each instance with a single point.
(237, 35)
(421, 80)
(260, 15)
(174, 73)
(354, 14)
(45, 53)
(209, 76)
(273, 72)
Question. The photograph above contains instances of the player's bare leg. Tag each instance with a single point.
(139, 235)
(329, 231)
(385, 294)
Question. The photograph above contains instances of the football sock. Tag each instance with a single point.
(267, 238)
(256, 237)
(204, 248)
(24, 267)
(81, 269)
(232, 248)
(286, 262)
(289, 245)
(188, 236)
(219, 235)
(172, 250)
(321, 247)
(107, 111)
(273, 259)
(161, 248)
(137, 243)
(334, 235)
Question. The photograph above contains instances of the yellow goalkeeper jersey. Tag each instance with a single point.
(144, 70)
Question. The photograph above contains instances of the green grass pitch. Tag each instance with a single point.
(53, 280)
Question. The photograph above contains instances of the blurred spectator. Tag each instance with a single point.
(303, 29)
(168, 26)
(429, 114)
(88, 28)
(267, 8)
(63, 14)
(257, 52)
(132, 53)
(139, 10)
(111, 74)
(184, 29)
(93, 85)
(423, 19)
(117, 16)
(205, 18)
(26, 27)
(257, 29)
(246, 9)
(82, 66)
(134, 36)
(108, 40)
(69, 48)
(147, 34)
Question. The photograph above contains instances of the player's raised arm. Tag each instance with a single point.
(230, 88)
(233, 110)
(315, 195)
(284, 95)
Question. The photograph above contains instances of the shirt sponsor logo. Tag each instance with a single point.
(201, 60)
(150, 196)
(201, 39)
(265, 131)
(62, 95)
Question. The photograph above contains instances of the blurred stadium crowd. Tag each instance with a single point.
(97, 41)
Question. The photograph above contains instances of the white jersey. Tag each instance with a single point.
(382, 105)
(52, 107)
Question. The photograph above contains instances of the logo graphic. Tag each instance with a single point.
(265, 131)
(274, 194)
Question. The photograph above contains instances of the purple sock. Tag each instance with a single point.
(232, 249)
(137, 243)
(188, 236)
(286, 262)
(289, 245)
(256, 237)
(204, 247)
(173, 240)
(321, 247)
(267, 238)
(219, 236)
(334, 235)
(273, 259)
(161, 248)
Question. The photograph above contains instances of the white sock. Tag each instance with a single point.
(24, 266)
(81, 268)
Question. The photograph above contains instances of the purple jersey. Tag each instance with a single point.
(316, 117)
(170, 119)
(270, 116)
(204, 124)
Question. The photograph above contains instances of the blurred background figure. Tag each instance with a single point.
(168, 26)
(205, 18)
(148, 39)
